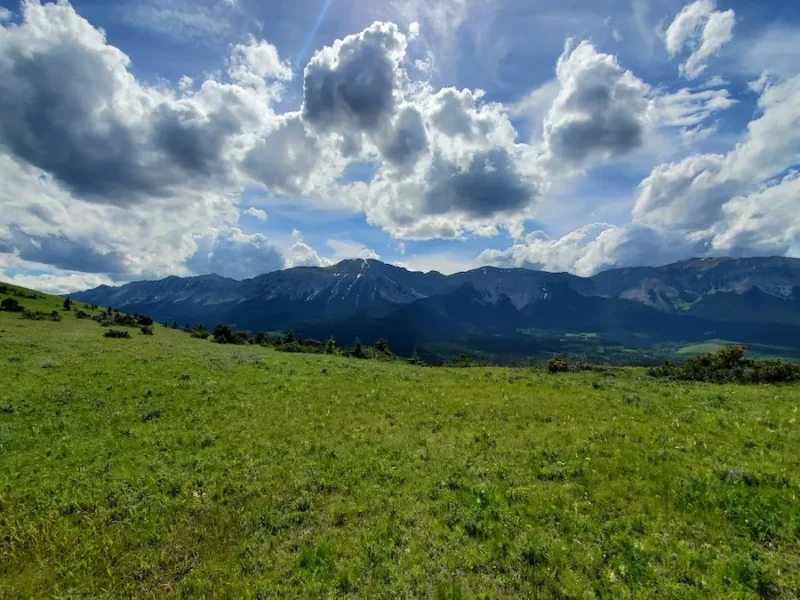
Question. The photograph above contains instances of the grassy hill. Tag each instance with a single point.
(170, 466)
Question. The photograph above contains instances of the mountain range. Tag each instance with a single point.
(498, 311)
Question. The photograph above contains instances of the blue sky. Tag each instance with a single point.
(241, 136)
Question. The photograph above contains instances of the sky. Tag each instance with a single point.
(146, 138)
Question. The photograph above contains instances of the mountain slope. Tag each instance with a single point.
(726, 298)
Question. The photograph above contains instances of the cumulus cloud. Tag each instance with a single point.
(50, 226)
(236, 255)
(344, 249)
(256, 213)
(352, 84)
(488, 185)
(406, 140)
(256, 63)
(601, 110)
(286, 157)
(70, 106)
(61, 252)
(85, 144)
(740, 203)
(58, 283)
(704, 30)
(541, 252)
(300, 254)
(596, 247)
(694, 192)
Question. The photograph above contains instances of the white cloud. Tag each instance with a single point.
(538, 251)
(443, 262)
(741, 203)
(185, 83)
(300, 254)
(256, 63)
(689, 108)
(119, 177)
(600, 112)
(704, 30)
(184, 20)
(143, 240)
(232, 253)
(759, 85)
(256, 213)
(54, 283)
(344, 249)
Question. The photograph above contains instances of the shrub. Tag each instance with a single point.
(382, 347)
(241, 338)
(225, 335)
(117, 334)
(22, 294)
(144, 320)
(146, 330)
(330, 346)
(110, 319)
(562, 364)
(36, 315)
(729, 365)
(358, 351)
(559, 364)
(416, 359)
(82, 315)
(67, 304)
(463, 361)
(293, 347)
(200, 333)
(11, 305)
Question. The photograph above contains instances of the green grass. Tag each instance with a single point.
(170, 466)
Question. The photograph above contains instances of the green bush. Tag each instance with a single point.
(117, 334)
(115, 319)
(358, 350)
(225, 335)
(559, 364)
(146, 330)
(11, 305)
(463, 361)
(36, 315)
(200, 333)
(729, 365)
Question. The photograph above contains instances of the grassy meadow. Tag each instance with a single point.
(168, 466)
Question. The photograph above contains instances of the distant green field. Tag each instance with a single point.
(168, 466)
(703, 348)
